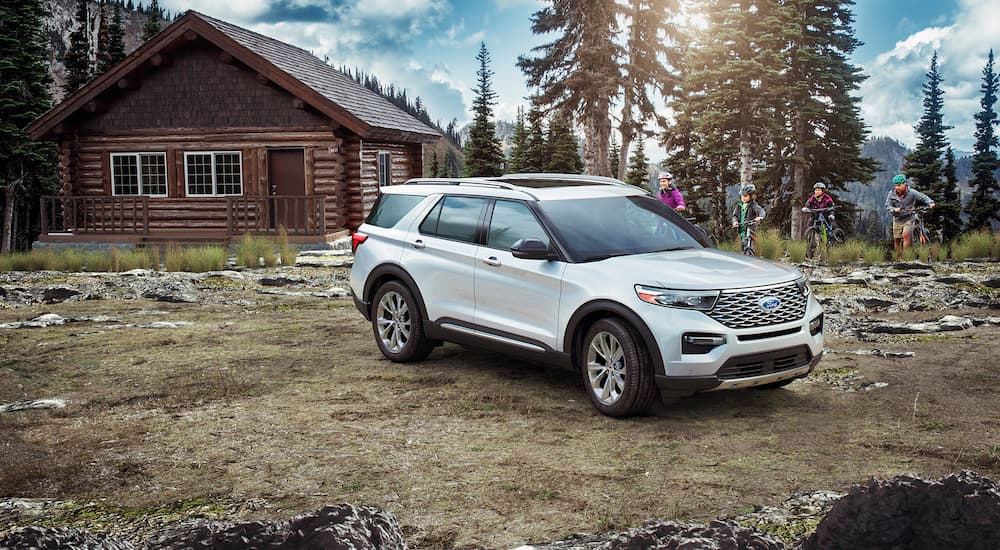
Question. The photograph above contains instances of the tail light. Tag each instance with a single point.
(356, 240)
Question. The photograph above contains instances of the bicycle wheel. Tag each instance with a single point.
(839, 237)
(748, 246)
(813, 239)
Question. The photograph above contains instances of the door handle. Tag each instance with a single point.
(418, 244)
(492, 260)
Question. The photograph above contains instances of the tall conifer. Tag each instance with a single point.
(925, 165)
(536, 151)
(950, 197)
(984, 205)
(152, 25)
(483, 152)
(27, 168)
(116, 48)
(578, 71)
(519, 144)
(638, 170)
(78, 65)
(614, 156)
(103, 39)
(563, 155)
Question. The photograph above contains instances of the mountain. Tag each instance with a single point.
(60, 23)
(504, 131)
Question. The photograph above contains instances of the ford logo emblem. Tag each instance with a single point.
(769, 303)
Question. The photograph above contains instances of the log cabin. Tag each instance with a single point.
(209, 131)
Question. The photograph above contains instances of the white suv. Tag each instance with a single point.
(584, 272)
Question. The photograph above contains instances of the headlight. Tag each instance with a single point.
(803, 284)
(702, 300)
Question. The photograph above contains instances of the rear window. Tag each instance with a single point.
(391, 208)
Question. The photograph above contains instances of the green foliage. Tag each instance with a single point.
(110, 37)
(770, 245)
(536, 150)
(286, 251)
(152, 25)
(483, 152)
(873, 253)
(846, 253)
(563, 155)
(614, 152)
(638, 173)
(78, 67)
(252, 251)
(519, 145)
(130, 259)
(977, 244)
(196, 259)
(984, 205)
(175, 258)
(797, 249)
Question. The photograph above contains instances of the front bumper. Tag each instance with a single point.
(747, 371)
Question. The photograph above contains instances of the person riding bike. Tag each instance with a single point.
(821, 199)
(747, 209)
(901, 204)
(669, 194)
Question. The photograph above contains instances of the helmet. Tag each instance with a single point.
(819, 185)
(664, 175)
(898, 179)
(748, 189)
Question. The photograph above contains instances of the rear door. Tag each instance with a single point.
(440, 254)
(516, 297)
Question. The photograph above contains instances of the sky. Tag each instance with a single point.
(429, 48)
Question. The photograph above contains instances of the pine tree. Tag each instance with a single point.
(27, 168)
(578, 71)
(103, 39)
(950, 198)
(647, 69)
(924, 165)
(638, 171)
(536, 149)
(116, 48)
(152, 25)
(614, 156)
(564, 157)
(435, 164)
(78, 67)
(984, 204)
(519, 144)
(826, 131)
(130, 6)
(483, 152)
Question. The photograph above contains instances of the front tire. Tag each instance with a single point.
(814, 239)
(398, 324)
(616, 370)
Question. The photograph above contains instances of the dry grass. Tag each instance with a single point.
(287, 400)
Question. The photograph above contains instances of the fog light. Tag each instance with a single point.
(816, 325)
(697, 343)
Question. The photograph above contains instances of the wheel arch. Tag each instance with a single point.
(392, 272)
(591, 312)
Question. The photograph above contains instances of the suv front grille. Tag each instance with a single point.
(742, 309)
(759, 364)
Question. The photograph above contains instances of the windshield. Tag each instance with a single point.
(597, 228)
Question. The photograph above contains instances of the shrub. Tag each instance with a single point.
(730, 245)
(770, 245)
(253, 250)
(872, 253)
(977, 244)
(846, 253)
(205, 258)
(797, 250)
(175, 258)
(995, 252)
(287, 252)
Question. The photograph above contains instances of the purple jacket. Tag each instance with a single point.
(671, 196)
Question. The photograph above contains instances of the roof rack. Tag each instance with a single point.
(480, 182)
(571, 179)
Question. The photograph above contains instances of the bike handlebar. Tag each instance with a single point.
(824, 209)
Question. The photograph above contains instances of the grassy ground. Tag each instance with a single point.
(285, 402)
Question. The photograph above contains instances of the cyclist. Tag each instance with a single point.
(669, 194)
(821, 199)
(747, 209)
(901, 203)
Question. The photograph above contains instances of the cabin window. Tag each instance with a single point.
(384, 168)
(139, 174)
(214, 173)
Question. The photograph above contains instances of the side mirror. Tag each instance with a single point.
(530, 249)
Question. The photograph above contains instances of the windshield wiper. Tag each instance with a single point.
(671, 249)
(599, 257)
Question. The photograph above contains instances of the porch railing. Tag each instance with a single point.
(103, 214)
(305, 215)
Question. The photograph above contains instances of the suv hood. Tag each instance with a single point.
(697, 269)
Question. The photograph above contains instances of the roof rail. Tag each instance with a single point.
(575, 178)
(479, 182)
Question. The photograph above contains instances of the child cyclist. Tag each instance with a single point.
(747, 209)
(821, 199)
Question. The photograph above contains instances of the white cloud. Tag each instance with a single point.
(893, 96)
(236, 11)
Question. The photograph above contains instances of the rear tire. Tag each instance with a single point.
(398, 324)
(839, 237)
(617, 373)
(814, 238)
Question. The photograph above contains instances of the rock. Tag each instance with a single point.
(878, 353)
(33, 405)
(874, 302)
(226, 273)
(992, 282)
(3, 292)
(669, 535)
(281, 280)
(860, 278)
(54, 538)
(959, 511)
(333, 292)
(955, 278)
(54, 294)
(165, 295)
(138, 273)
(945, 324)
(343, 526)
(910, 266)
(46, 320)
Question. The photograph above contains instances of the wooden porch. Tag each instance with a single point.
(143, 219)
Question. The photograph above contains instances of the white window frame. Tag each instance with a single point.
(138, 165)
(388, 168)
(215, 182)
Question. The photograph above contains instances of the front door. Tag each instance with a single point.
(286, 174)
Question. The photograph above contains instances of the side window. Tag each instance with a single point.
(454, 218)
(511, 222)
(391, 208)
(384, 168)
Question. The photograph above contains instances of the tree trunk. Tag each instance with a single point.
(8, 217)
(746, 158)
(595, 151)
(627, 132)
(799, 189)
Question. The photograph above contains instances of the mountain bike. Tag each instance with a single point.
(821, 233)
(748, 241)
(920, 235)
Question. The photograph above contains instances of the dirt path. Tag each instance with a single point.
(285, 403)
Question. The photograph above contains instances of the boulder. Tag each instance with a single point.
(54, 538)
(959, 511)
(664, 535)
(54, 294)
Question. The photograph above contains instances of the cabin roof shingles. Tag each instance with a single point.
(366, 105)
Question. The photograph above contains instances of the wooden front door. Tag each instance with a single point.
(286, 172)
